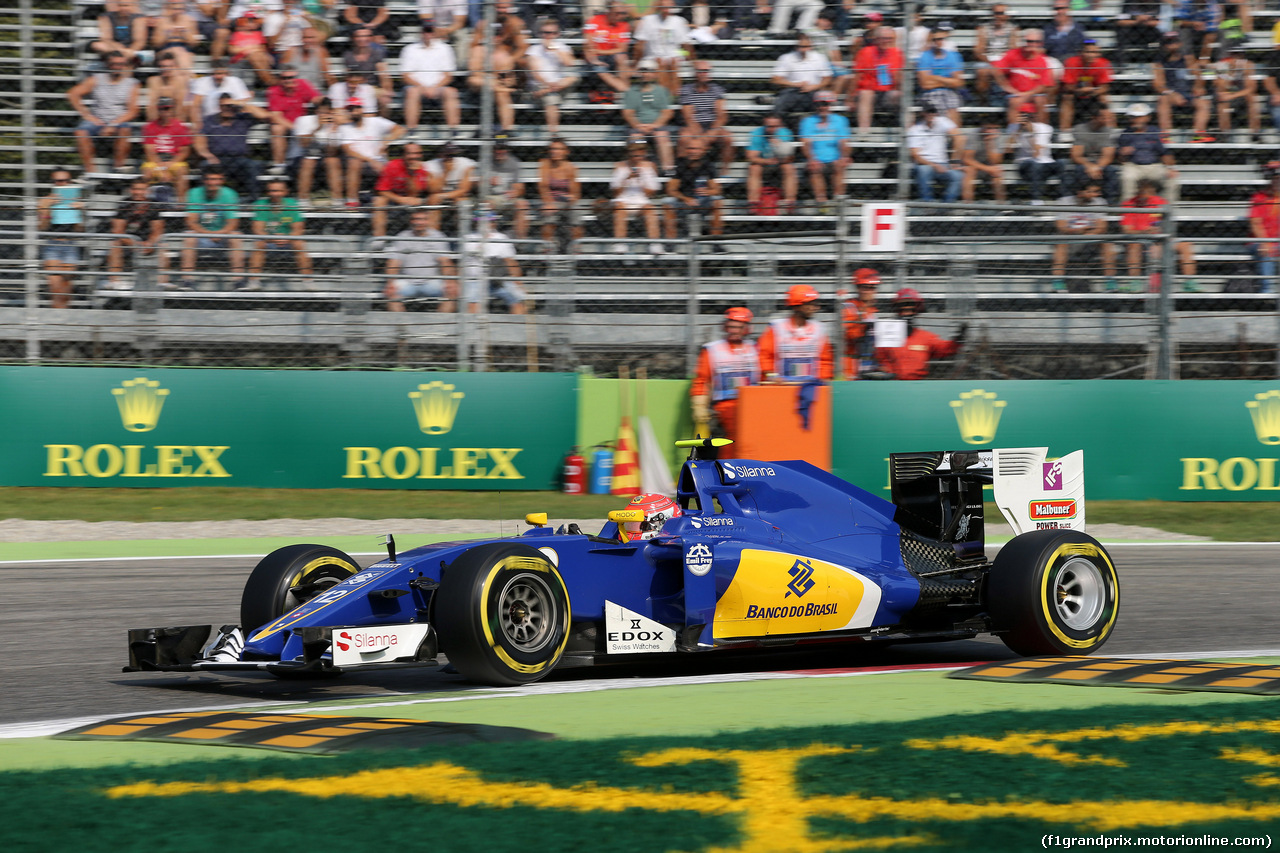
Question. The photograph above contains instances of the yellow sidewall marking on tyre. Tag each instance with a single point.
(1078, 549)
(528, 564)
(317, 563)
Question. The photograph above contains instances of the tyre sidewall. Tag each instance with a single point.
(266, 592)
(1049, 571)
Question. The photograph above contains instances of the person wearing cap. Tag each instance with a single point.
(796, 348)
(911, 360)
(427, 68)
(934, 144)
(647, 108)
(1180, 88)
(724, 366)
(1025, 76)
(664, 37)
(940, 76)
(206, 92)
(1143, 154)
(634, 183)
(800, 75)
(288, 100)
(1030, 143)
(1086, 84)
(550, 62)
(1264, 225)
(982, 158)
(170, 83)
(364, 139)
(1235, 91)
(878, 84)
(1150, 223)
(166, 146)
(825, 138)
(858, 316)
(406, 182)
(995, 38)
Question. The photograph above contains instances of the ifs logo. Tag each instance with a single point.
(978, 415)
(1053, 476)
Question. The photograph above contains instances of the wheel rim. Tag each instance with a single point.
(527, 612)
(1079, 594)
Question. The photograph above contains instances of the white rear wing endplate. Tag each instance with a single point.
(1034, 494)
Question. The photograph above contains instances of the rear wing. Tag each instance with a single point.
(1034, 494)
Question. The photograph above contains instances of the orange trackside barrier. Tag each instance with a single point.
(769, 427)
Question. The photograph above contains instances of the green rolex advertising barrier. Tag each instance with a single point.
(1188, 441)
(69, 426)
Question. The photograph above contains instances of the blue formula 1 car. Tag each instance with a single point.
(763, 554)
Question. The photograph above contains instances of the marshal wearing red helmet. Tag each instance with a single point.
(658, 509)
(797, 348)
(724, 366)
(859, 316)
(911, 360)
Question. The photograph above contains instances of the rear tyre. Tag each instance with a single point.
(290, 577)
(502, 614)
(1053, 592)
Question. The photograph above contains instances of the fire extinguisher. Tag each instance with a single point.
(575, 477)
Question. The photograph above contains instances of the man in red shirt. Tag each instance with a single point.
(167, 144)
(1025, 76)
(879, 83)
(724, 366)
(911, 360)
(1149, 223)
(1086, 79)
(404, 182)
(1264, 224)
(288, 100)
(605, 40)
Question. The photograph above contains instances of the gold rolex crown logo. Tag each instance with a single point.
(436, 405)
(978, 415)
(140, 401)
(1265, 410)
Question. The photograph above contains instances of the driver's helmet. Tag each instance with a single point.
(657, 509)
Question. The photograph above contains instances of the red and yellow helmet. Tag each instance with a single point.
(657, 510)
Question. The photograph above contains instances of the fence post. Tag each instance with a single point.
(842, 274)
(465, 268)
(1164, 302)
(31, 248)
(692, 307)
(560, 279)
(357, 266)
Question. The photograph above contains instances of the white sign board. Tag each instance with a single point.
(884, 226)
(891, 332)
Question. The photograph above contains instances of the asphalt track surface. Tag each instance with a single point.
(63, 626)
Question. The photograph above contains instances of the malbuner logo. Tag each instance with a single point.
(140, 401)
(1265, 410)
(436, 405)
(978, 415)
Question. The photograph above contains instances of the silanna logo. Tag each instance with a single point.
(733, 472)
(711, 521)
(801, 579)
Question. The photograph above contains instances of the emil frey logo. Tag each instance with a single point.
(698, 559)
(1053, 476)
(801, 579)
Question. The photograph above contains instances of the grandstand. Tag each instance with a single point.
(592, 308)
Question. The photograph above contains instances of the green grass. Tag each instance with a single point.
(1253, 522)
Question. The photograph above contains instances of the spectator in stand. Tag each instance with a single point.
(633, 183)
(1093, 157)
(364, 141)
(506, 189)
(206, 92)
(355, 86)
(1235, 91)
(825, 138)
(695, 190)
(115, 105)
(490, 269)
(248, 46)
(509, 48)
(797, 348)
(824, 41)
(166, 146)
(664, 38)
(279, 220)
(169, 83)
(1138, 32)
(176, 34)
(1086, 84)
(283, 28)
(911, 360)
(606, 39)
(428, 68)
(858, 318)
(1150, 223)
(800, 74)
(1264, 225)
(934, 143)
(1030, 143)
(1180, 88)
(551, 63)
(454, 176)
(1144, 155)
(224, 140)
(983, 159)
(878, 87)
(138, 227)
(559, 192)
(319, 138)
(940, 76)
(288, 100)
(60, 212)
(419, 266)
(447, 16)
(1083, 256)
(1271, 83)
(875, 27)
(406, 182)
(724, 366)
(995, 38)
(123, 31)
(1197, 22)
(369, 57)
(213, 211)
(1064, 37)
(784, 10)
(311, 59)
(1024, 75)
(771, 163)
(647, 109)
(706, 114)
(372, 15)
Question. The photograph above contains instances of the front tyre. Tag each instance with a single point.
(1053, 592)
(502, 614)
(288, 578)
